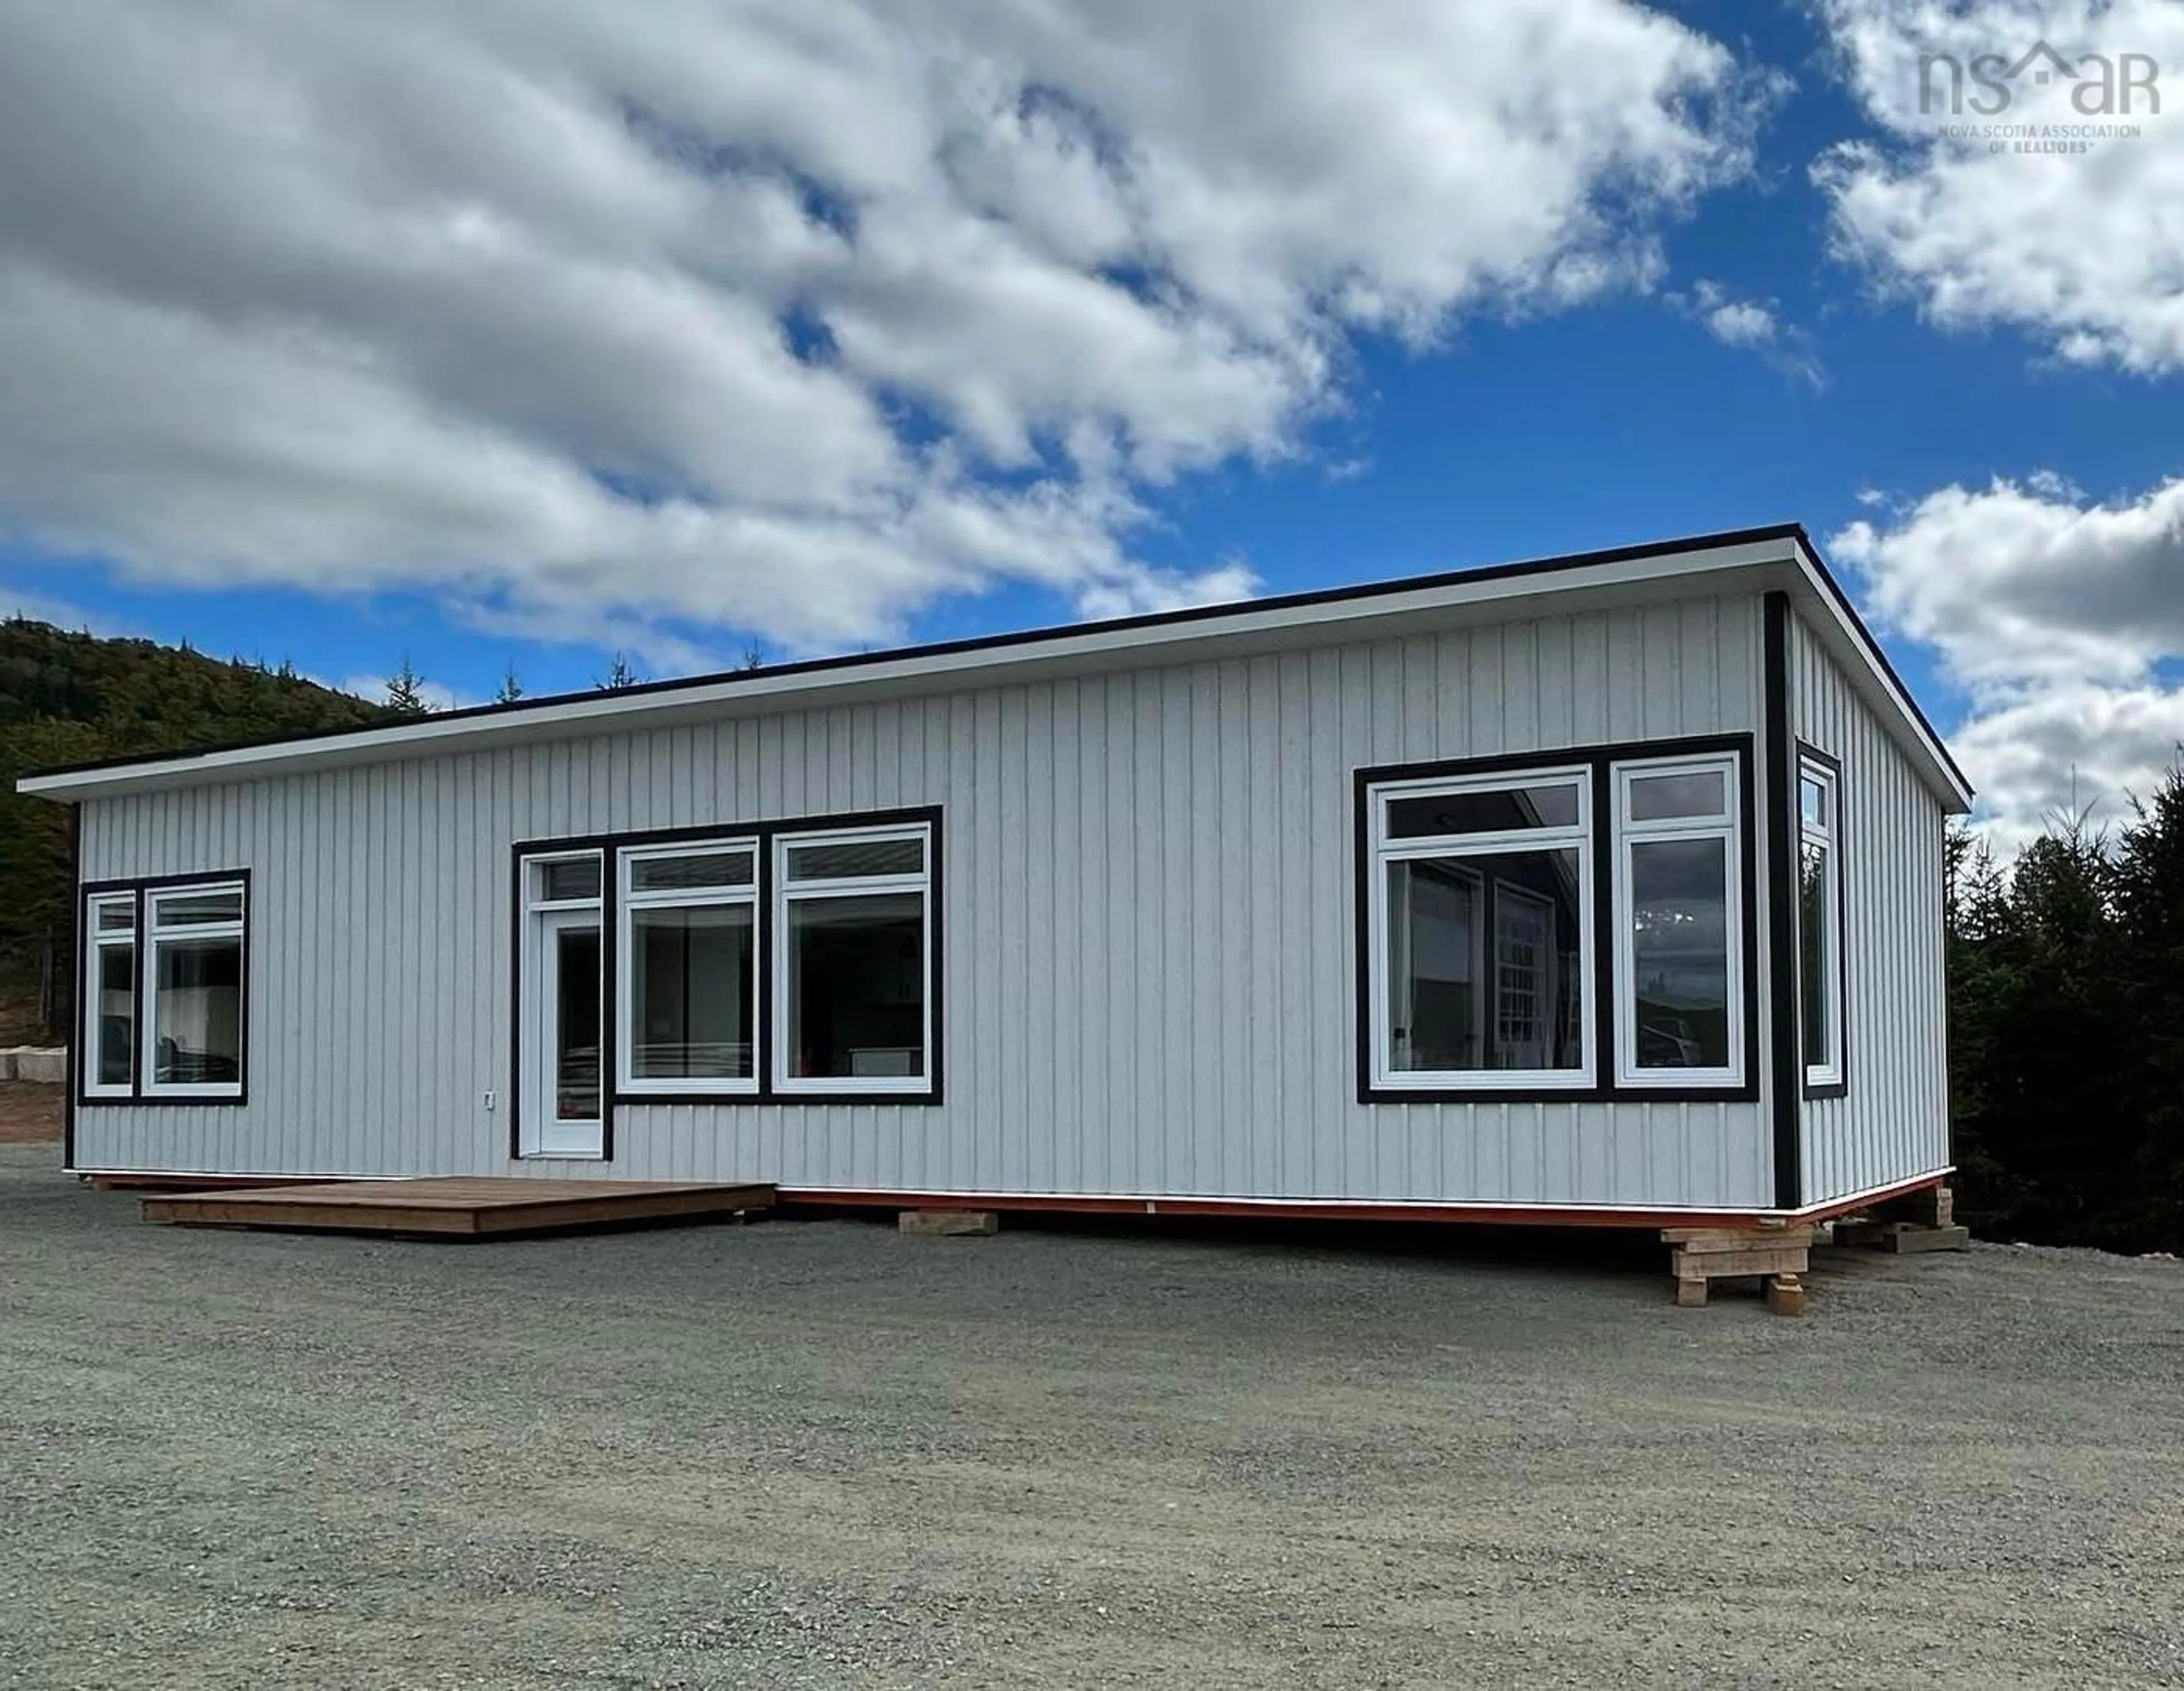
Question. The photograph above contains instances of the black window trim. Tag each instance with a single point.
(612, 1097)
(1601, 760)
(80, 1095)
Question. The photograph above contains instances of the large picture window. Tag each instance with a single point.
(689, 977)
(1680, 922)
(1481, 902)
(1572, 927)
(165, 990)
(853, 928)
(1819, 920)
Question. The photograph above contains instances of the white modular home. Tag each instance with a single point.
(1605, 888)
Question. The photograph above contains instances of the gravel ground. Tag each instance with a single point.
(29, 1115)
(817, 1453)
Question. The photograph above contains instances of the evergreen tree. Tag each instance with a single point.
(510, 688)
(405, 694)
(2066, 1032)
(620, 674)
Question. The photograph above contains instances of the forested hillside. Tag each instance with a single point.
(68, 697)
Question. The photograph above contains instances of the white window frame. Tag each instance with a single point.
(531, 1124)
(629, 902)
(155, 934)
(1728, 827)
(786, 891)
(1827, 835)
(96, 944)
(1384, 851)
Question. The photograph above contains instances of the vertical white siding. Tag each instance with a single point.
(1148, 951)
(1892, 1122)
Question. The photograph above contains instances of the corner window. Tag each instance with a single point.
(1819, 919)
(853, 970)
(165, 990)
(1679, 922)
(1480, 907)
(110, 997)
(689, 968)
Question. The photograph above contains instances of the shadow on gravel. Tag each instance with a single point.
(1612, 1249)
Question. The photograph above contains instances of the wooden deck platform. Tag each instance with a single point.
(472, 1208)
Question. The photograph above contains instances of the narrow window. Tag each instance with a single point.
(194, 991)
(1819, 920)
(1679, 923)
(689, 968)
(560, 1079)
(1481, 891)
(110, 1032)
(853, 929)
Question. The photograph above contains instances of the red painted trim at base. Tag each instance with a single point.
(1866, 1200)
(1272, 1209)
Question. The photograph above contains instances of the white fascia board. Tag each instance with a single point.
(1314, 619)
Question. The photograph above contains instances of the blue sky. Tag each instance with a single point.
(1067, 337)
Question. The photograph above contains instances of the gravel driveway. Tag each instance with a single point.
(819, 1453)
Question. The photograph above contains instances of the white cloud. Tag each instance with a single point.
(1735, 322)
(2057, 750)
(65, 614)
(2080, 249)
(2017, 581)
(781, 316)
(1753, 325)
(2062, 619)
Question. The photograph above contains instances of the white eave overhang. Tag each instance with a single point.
(1770, 560)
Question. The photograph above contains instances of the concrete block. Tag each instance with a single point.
(46, 1068)
(950, 1223)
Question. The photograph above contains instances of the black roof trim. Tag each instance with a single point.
(1873, 650)
(987, 643)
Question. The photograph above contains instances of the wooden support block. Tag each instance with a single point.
(1775, 1254)
(1705, 1239)
(1732, 1265)
(1785, 1294)
(1908, 1241)
(950, 1223)
(1903, 1238)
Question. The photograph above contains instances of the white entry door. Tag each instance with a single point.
(563, 1063)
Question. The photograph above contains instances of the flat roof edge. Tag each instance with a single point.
(597, 711)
